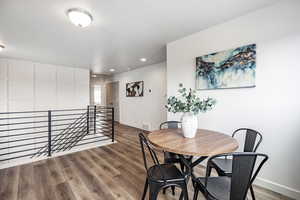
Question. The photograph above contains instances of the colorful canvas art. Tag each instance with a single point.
(234, 68)
(135, 89)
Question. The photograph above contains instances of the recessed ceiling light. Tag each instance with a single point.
(143, 59)
(2, 47)
(80, 17)
(112, 70)
(94, 75)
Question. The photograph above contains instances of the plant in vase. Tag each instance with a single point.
(190, 105)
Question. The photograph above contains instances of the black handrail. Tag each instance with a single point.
(32, 134)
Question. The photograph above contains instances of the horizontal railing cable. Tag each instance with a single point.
(43, 133)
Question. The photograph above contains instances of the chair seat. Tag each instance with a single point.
(225, 165)
(217, 187)
(170, 172)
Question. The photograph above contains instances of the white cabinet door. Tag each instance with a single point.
(45, 87)
(82, 88)
(20, 86)
(65, 87)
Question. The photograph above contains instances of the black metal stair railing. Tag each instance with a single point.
(76, 127)
(44, 133)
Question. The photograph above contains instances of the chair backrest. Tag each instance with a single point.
(146, 147)
(170, 124)
(252, 138)
(245, 167)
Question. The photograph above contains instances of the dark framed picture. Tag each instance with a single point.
(135, 89)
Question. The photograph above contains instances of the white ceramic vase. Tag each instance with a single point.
(189, 125)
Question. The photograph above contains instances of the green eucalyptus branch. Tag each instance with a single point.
(189, 102)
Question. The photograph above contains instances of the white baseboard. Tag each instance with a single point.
(276, 187)
(27, 161)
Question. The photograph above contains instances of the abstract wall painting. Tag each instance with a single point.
(234, 68)
(135, 89)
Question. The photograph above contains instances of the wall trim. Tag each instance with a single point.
(278, 188)
(139, 129)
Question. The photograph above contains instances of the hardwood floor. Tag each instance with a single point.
(111, 172)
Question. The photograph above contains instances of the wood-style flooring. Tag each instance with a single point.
(111, 172)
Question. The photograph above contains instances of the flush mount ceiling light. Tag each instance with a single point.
(143, 59)
(112, 70)
(2, 47)
(80, 17)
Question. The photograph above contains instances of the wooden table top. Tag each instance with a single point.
(205, 143)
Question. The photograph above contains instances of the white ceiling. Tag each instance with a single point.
(122, 31)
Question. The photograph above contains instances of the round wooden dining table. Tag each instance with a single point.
(206, 143)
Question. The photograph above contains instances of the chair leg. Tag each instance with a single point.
(145, 190)
(154, 190)
(173, 189)
(196, 193)
(252, 193)
(153, 195)
(185, 191)
(209, 168)
(181, 195)
(181, 166)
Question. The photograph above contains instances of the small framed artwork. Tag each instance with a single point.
(135, 89)
(233, 68)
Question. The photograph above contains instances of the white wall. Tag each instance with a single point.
(34, 86)
(273, 107)
(136, 111)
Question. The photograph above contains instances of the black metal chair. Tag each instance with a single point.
(170, 124)
(169, 157)
(234, 187)
(160, 176)
(252, 142)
